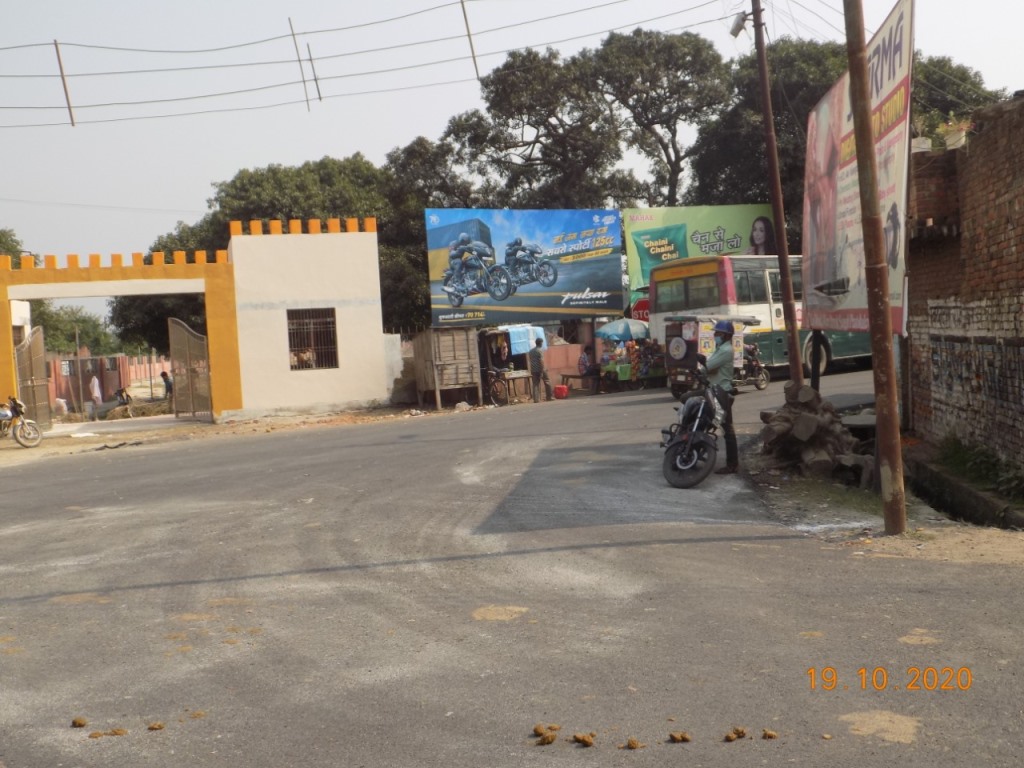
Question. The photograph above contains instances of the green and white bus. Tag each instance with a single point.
(745, 285)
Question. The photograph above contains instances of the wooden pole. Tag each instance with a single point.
(887, 429)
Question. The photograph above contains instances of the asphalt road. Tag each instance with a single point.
(423, 592)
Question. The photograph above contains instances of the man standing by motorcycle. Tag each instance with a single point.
(720, 369)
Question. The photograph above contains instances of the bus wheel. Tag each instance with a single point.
(825, 356)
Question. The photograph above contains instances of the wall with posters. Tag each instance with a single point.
(581, 276)
(835, 289)
(965, 321)
(657, 235)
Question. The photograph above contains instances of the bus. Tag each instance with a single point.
(745, 285)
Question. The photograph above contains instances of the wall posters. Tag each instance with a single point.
(657, 235)
(567, 265)
(835, 288)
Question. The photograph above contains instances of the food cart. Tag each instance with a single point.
(687, 336)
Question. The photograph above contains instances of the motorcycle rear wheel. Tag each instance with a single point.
(455, 299)
(28, 434)
(763, 379)
(499, 283)
(684, 467)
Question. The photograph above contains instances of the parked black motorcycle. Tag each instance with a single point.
(691, 443)
(14, 423)
(753, 371)
(480, 274)
(525, 265)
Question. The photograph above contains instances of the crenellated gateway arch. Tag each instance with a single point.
(293, 316)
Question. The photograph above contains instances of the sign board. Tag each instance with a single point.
(835, 288)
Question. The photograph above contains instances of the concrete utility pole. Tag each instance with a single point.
(887, 429)
(796, 371)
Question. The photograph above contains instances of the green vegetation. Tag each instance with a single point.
(981, 466)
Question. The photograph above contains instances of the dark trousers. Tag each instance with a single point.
(537, 376)
(732, 458)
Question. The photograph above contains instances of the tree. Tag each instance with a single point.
(946, 93)
(728, 160)
(729, 163)
(662, 83)
(322, 189)
(60, 325)
(548, 137)
(10, 245)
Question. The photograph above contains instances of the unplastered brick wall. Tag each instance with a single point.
(966, 289)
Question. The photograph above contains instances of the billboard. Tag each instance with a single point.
(835, 288)
(657, 235)
(519, 266)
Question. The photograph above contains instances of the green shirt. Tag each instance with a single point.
(720, 367)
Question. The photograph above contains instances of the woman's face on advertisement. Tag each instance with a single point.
(758, 233)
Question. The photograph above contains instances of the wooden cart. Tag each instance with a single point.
(446, 358)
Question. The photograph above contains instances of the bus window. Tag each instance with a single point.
(702, 292)
(776, 286)
(750, 287)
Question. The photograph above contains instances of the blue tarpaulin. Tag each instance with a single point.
(521, 337)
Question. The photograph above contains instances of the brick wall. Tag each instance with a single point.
(966, 287)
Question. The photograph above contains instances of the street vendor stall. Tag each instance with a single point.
(505, 352)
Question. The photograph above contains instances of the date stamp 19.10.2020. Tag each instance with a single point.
(881, 679)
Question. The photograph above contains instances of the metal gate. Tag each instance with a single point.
(190, 370)
(33, 383)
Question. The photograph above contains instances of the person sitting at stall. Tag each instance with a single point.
(587, 367)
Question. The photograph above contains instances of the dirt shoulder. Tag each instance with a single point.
(851, 520)
(85, 440)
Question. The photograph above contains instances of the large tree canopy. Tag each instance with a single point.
(661, 84)
(729, 163)
(548, 136)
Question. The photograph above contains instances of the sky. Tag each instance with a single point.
(171, 98)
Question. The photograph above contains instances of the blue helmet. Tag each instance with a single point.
(464, 239)
(724, 326)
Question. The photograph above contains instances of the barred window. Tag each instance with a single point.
(312, 339)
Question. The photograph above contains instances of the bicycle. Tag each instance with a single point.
(496, 388)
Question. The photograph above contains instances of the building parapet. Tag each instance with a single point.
(295, 226)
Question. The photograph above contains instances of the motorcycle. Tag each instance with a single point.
(524, 264)
(691, 443)
(753, 371)
(14, 423)
(480, 275)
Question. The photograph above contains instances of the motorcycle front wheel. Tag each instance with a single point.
(499, 283)
(547, 274)
(763, 379)
(27, 434)
(684, 467)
